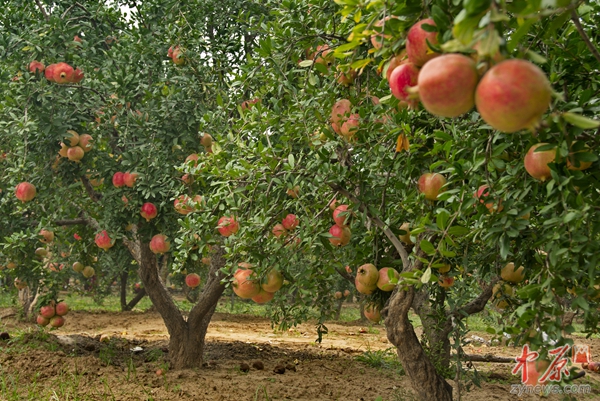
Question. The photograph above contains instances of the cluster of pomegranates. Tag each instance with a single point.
(53, 314)
(176, 54)
(61, 73)
(288, 223)
(247, 284)
(76, 146)
(340, 231)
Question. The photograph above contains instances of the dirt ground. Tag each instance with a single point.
(72, 363)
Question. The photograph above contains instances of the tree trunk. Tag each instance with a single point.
(186, 338)
(28, 299)
(437, 326)
(423, 376)
(123, 291)
(127, 306)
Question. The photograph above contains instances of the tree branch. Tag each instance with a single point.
(44, 13)
(586, 39)
(386, 230)
(86, 88)
(477, 305)
(72, 222)
(95, 196)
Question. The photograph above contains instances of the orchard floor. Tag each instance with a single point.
(72, 364)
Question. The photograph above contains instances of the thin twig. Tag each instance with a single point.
(586, 39)
(87, 88)
(44, 13)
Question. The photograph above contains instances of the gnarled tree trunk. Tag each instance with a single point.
(186, 342)
(425, 379)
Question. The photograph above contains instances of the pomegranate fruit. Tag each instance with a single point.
(75, 154)
(47, 236)
(228, 226)
(340, 236)
(510, 274)
(159, 244)
(117, 179)
(403, 77)
(446, 281)
(405, 237)
(42, 321)
(383, 282)
(273, 281)
(290, 222)
(245, 284)
(88, 272)
(86, 142)
(129, 179)
(279, 231)
(47, 311)
(483, 191)
(367, 275)
(25, 191)
(49, 72)
(447, 85)
(62, 308)
(536, 163)
(395, 62)
(57, 321)
(513, 95)
(63, 73)
(430, 184)
(263, 297)
(363, 289)
(417, 49)
(341, 215)
(372, 313)
(340, 111)
(192, 280)
(36, 66)
(148, 211)
(103, 240)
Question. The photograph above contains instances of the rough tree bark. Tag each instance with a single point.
(127, 306)
(186, 337)
(425, 379)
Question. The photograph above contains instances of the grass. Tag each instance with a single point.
(382, 359)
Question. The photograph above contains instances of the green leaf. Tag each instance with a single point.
(519, 34)
(426, 276)
(427, 247)
(442, 219)
(580, 121)
(291, 160)
(475, 7)
(306, 63)
(458, 230)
